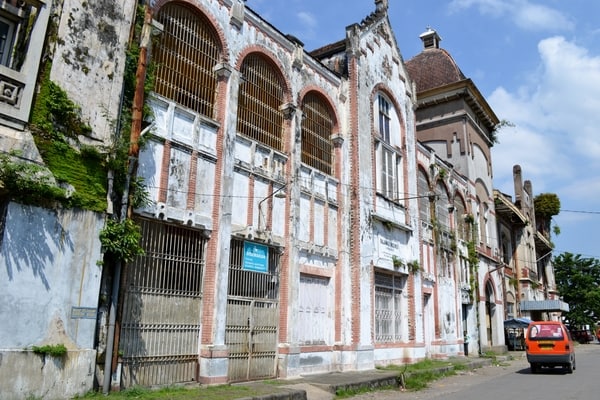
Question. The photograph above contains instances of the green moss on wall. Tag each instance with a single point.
(57, 126)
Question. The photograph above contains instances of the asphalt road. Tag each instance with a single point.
(513, 380)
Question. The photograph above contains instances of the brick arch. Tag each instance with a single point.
(267, 54)
(488, 281)
(425, 169)
(382, 88)
(445, 185)
(202, 10)
(458, 195)
(314, 88)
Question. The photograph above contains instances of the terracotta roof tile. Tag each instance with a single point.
(433, 68)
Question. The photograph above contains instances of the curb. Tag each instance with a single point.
(291, 394)
(368, 382)
(392, 379)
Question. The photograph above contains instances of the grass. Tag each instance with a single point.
(221, 392)
(415, 376)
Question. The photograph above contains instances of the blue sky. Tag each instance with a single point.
(537, 62)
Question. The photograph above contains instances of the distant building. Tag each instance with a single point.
(457, 124)
(527, 254)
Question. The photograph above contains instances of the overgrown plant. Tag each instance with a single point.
(28, 183)
(546, 206)
(57, 129)
(414, 266)
(120, 157)
(397, 262)
(121, 239)
(54, 350)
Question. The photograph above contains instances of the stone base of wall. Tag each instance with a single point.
(25, 374)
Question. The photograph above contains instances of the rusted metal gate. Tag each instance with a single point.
(160, 322)
(252, 317)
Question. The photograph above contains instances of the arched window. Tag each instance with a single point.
(185, 57)
(441, 207)
(423, 190)
(317, 126)
(389, 155)
(261, 95)
(460, 212)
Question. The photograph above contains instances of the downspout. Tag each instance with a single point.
(135, 134)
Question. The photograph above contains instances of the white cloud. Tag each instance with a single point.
(307, 19)
(526, 15)
(556, 116)
(537, 17)
(492, 7)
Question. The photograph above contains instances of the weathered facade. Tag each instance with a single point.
(309, 211)
(457, 124)
(304, 192)
(526, 253)
(50, 255)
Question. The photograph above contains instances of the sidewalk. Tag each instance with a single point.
(324, 386)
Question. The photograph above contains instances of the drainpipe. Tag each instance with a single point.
(136, 133)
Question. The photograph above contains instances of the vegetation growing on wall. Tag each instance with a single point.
(546, 205)
(54, 350)
(121, 239)
(57, 127)
(473, 260)
(121, 235)
(120, 149)
(28, 183)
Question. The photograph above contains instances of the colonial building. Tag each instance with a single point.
(526, 253)
(299, 211)
(291, 173)
(457, 124)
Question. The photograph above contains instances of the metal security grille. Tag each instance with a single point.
(317, 126)
(459, 220)
(384, 119)
(185, 58)
(160, 323)
(252, 317)
(422, 190)
(261, 95)
(388, 307)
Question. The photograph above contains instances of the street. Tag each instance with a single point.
(513, 381)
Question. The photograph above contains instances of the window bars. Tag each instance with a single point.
(317, 126)
(261, 95)
(185, 58)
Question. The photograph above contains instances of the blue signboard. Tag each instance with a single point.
(256, 257)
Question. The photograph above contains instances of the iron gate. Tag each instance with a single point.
(160, 324)
(252, 317)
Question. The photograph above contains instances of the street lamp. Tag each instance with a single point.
(432, 196)
(279, 194)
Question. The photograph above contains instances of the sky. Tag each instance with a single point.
(537, 62)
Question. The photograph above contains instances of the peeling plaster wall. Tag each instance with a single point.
(49, 285)
(89, 58)
(380, 67)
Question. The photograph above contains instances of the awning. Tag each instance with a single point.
(544, 305)
(517, 323)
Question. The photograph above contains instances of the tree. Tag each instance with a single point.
(578, 282)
